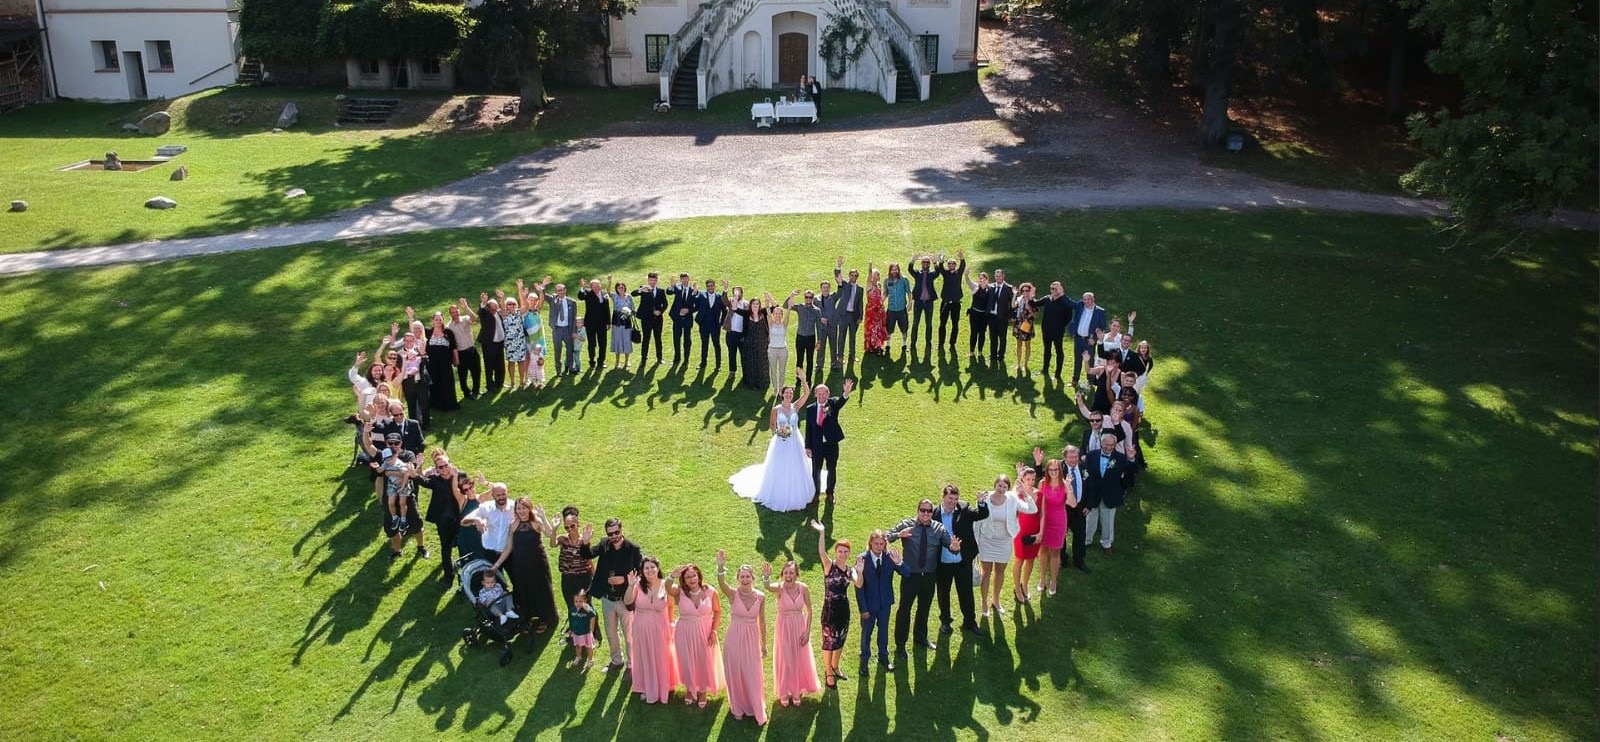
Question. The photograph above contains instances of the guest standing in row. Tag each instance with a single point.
(995, 536)
(615, 559)
(576, 571)
(530, 566)
(955, 568)
(874, 578)
(777, 344)
(622, 318)
(596, 319)
(695, 635)
(896, 292)
(794, 668)
(651, 311)
(923, 539)
(466, 355)
(492, 338)
(746, 644)
(836, 583)
(1025, 545)
(808, 319)
(951, 293)
(754, 343)
(877, 327)
(650, 644)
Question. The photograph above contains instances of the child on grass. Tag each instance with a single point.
(494, 597)
(581, 626)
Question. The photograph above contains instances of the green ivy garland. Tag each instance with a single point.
(843, 42)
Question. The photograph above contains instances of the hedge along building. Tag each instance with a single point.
(117, 50)
(394, 46)
(694, 52)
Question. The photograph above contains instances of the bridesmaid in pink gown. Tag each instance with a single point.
(695, 635)
(746, 643)
(794, 668)
(655, 670)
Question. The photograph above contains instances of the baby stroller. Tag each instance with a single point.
(486, 627)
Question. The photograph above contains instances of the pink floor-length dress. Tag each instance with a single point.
(741, 660)
(655, 670)
(699, 658)
(794, 667)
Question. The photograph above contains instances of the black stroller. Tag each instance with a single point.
(486, 627)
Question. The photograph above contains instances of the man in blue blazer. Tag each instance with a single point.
(1086, 318)
(708, 314)
(875, 595)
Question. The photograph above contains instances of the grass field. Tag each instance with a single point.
(1370, 512)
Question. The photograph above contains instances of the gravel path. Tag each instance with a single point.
(1036, 139)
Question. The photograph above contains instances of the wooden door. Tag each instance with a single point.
(792, 59)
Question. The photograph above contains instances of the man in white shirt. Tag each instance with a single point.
(1076, 513)
(493, 520)
(466, 351)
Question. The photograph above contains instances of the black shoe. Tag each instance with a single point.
(422, 552)
(972, 628)
(394, 556)
(1084, 568)
(946, 629)
(862, 671)
(900, 652)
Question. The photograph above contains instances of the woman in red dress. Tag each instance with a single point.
(877, 314)
(1028, 527)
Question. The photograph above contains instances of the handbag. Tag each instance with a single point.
(634, 334)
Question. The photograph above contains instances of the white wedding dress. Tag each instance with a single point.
(782, 482)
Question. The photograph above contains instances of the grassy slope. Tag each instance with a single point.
(1371, 511)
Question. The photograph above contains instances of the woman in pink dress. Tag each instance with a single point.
(655, 670)
(1025, 547)
(745, 646)
(695, 635)
(794, 668)
(1053, 527)
(877, 314)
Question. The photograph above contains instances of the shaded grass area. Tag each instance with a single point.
(1335, 539)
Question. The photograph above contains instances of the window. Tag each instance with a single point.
(160, 55)
(655, 51)
(369, 68)
(930, 51)
(105, 56)
(431, 67)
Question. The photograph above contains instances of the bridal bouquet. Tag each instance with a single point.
(784, 431)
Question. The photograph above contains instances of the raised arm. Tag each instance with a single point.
(722, 574)
(822, 543)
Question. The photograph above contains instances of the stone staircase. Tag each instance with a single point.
(685, 80)
(905, 84)
(367, 110)
(249, 71)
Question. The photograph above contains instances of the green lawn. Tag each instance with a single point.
(1370, 512)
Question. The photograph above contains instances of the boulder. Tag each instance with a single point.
(161, 202)
(290, 115)
(131, 127)
(155, 124)
(181, 173)
(294, 193)
(171, 150)
(17, 206)
(112, 162)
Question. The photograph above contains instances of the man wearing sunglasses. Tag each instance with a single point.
(922, 539)
(615, 558)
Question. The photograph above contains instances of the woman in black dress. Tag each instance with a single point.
(441, 366)
(530, 566)
(836, 583)
(450, 488)
(754, 348)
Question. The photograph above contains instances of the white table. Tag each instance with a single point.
(796, 110)
(763, 114)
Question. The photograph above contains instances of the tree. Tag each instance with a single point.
(1522, 140)
(1222, 58)
(280, 33)
(528, 33)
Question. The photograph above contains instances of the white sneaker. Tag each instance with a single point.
(512, 614)
(503, 618)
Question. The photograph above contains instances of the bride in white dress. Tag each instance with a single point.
(783, 481)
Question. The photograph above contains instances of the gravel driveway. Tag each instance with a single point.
(1035, 139)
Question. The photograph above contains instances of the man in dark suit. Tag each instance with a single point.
(923, 295)
(877, 568)
(491, 335)
(682, 319)
(951, 292)
(1073, 473)
(1086, 318)
(596, 319)
(1105, 477)
(829, 334)
(708, 314)
(409, 430)
(1001, 296)
(956, 567)
(652, 305)
(851, 302)
(823, 435)
(1055, 312)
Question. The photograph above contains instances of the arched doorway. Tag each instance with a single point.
(792, 57)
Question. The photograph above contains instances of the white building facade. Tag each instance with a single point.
(734, 44)
(139, 49)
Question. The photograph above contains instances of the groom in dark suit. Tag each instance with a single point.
(875, 596)
(823, 434)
